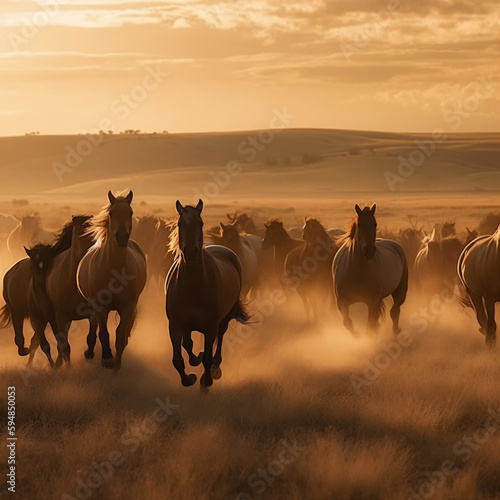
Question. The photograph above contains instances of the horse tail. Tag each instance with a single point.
(5, 317)
(240, 313)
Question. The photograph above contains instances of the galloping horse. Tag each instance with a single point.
(308, 267)
(202, 290)
(479, 268)
(436, 263)
(242, 246)
(112, 274)
(63, 292)
(279, 241)
(17, 283)
(28, 233)
(367, 269)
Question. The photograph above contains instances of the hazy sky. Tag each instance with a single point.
(205, 65)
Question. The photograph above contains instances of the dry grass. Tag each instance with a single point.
(287, 384)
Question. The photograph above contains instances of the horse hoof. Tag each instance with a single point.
(189, 380)
(107, 363)
(481, 330)
(216, 372)
(23, 351)
(196, 360)
(58, 362)
(88, 354)
(204, 389)
(205, 382)
(490, 342)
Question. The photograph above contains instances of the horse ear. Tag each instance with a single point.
(111, 197)
(199, 207)
(129, 197)
(358, 209)
(28, 251)
(373, 208)
(222, 226)
(179, 207)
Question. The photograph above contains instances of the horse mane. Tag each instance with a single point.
(99, 224)
(63, 239)
(348, 236)
(173, 243)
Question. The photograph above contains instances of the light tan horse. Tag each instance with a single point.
(479, 270)
(112, 274)
(28, 233)
(367, 269)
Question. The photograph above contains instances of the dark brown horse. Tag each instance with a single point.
(61, 288)
(203, 290)
(367, 269)
(308, 268)
(112, 274)
(153, 235)
(278, 243)
(18, 285)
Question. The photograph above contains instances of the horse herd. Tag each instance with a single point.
(94, 267)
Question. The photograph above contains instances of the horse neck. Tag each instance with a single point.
(114, 254)
(285, 244)
(355, 252)
(76, 252)
(192, 273)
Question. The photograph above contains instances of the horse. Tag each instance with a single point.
(277, 240)
(244, 223)
(478, 268)
(368, 269)
(112, 274)
(242, 246)
(153, 235)
(202, 289)
(308, 268)
(62, 291)
(18, 286)
(436, 263)
(27, 233)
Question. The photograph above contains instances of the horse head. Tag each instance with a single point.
(190, 231)
(120, 217)
(366, 230)
(274, 232)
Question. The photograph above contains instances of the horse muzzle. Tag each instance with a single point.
(369, 252)
(122, 239)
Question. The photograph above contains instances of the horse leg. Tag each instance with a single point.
(39, 326)
(17, 323)
(216, 371)
(491, 327)
(187, 343)
(107, 356)
(127, 318)
(61, 334)
(34, 343)
(477, 302)
(208, 357)
(399, 297)
(372, 325)
(91, 338)
(176, 337)
(343, 306)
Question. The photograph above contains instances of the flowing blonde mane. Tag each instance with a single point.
(98, 227)
(173, 242)
(348, 236)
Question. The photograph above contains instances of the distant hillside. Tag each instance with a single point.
(289, 162)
